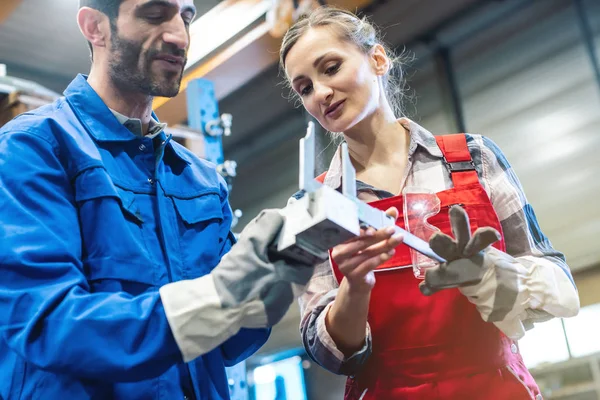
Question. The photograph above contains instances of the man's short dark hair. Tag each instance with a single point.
(108, 7)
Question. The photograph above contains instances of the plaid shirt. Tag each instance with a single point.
(426, 168)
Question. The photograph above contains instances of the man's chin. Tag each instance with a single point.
(165, 90)
(168, 94)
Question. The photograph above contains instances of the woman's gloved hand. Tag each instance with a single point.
(492, 280)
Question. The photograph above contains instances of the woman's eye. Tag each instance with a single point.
(305, 90)
(332, 70)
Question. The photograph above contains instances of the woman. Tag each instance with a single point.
(365, 317)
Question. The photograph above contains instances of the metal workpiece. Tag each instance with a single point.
(315, 223)
(323, 217)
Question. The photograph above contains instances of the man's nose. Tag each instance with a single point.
(177, 33)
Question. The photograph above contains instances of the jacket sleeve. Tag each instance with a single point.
(551, 289)
(47, 314)
(247, 341)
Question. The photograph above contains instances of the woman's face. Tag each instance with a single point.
(337, 82)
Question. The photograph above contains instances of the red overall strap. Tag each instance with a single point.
(321, 178)
(458, 159)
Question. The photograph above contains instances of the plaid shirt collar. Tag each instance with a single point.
(419, 138)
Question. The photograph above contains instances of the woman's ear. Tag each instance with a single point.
(379, 60)
(92, 24)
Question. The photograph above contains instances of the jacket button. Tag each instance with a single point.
(538, 397)
(142, 147)
(514, 349)
(151, 181)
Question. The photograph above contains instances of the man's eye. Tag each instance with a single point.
(154, 18)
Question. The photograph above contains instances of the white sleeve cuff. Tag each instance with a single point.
(328, 342)
(512, 328)
(550, 289)
(197, 319)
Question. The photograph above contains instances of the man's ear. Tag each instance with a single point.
(94, 26)
(379, 60)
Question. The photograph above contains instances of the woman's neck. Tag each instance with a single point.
(378, 140)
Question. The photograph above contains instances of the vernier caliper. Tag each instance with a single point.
(324, 217)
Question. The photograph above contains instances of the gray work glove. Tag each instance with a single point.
(512, 293)
(465, 255)
(250, 272)
(495, 282)
(249, 288)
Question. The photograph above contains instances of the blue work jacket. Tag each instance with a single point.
(93, 220)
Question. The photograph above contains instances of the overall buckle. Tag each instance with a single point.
(460, 166)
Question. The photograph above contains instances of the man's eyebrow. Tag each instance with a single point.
(166, 4)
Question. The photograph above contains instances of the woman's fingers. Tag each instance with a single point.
(373, 256)
(370, 264)
(392, 212)
(357, 257)
(344, 251)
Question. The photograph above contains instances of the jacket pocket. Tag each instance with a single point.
(201, 231)
(95, 184)
(111, 224)
(199, 209)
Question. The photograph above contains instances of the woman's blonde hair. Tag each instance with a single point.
(358, 31)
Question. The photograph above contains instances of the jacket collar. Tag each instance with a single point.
(98, 120)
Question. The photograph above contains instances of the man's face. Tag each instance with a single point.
(149, 43)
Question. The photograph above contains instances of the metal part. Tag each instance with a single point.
(228, 170)
(206, 129)
(307, 160)
(348, 174)
(220, 126)
(324, 217)
(237, 214)
(202, 110)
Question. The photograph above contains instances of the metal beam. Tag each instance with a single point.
(588, 38)
(231, 58)
(449, 87)
(7, 7)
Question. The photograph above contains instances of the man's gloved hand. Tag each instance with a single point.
(248, 272)
(492, 280)
(247, 289)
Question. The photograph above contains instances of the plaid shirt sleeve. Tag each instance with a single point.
(315, 302)
(525, 240)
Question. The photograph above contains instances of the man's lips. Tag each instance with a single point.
(175, 60)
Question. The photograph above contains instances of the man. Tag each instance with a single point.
(114, 280)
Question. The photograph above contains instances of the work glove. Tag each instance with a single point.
(249, 288)
(250, 271)
(495, 282)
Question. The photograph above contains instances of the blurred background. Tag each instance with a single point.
(524, 73)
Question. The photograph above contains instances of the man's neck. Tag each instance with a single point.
(130, 104)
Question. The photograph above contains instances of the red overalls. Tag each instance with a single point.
(438, 347)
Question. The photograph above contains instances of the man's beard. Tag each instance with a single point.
(127, 74)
